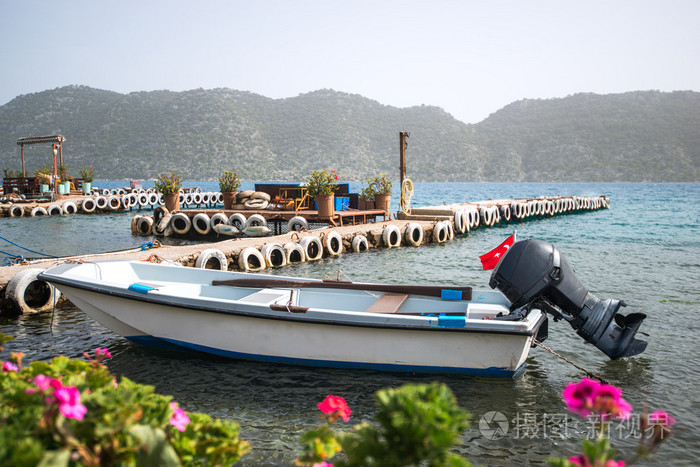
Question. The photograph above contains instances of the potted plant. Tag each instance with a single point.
(169, 184)
(88, 175)
(63, 180)
(366, 198)
(229, 183)
(43, 174)
(382, 192)
(322, 185)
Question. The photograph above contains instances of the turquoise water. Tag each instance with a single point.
(645, 250)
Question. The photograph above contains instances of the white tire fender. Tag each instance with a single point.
(30, 294)
(250, 259)
(211, 258)
(274, 255)
(313, 248)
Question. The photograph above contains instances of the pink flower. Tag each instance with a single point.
(590, 396)
(104, 353)
(579, 397)
(322, 464)
(335, 406)
(179, 419)
(9, 366)
(69, 402)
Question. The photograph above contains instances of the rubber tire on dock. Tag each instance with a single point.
(69, 207)
(391, 236)
(88, 205)
(297, 224)
(313, 248)
(440, 233)
(29, 294)
(237, 220)
(114, 202)
(274, 254)
(294, 253)
(360, 244)
(181, 223)
(16, 211)
(159, 213)
(144, 225)
(201, 223)
(212, 258)
(39, 211)
(250, 259)
(255, 220)
(413, 236)
(218, 218)
(333, 243)
(255, 204)
(461, 223)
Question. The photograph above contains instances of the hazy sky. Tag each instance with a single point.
(469, 57)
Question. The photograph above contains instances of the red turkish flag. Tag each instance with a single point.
(491, 259)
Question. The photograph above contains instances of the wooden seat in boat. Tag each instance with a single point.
(387, 303)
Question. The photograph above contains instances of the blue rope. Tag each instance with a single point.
(31, 251)
(13, 259)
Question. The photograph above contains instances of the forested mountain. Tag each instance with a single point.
(636, 136)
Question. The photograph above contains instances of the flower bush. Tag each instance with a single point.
(322, 182)
(415, 425)
(87, 173)
(367, 193)
(381, 184)
(168, 183)
(604, 402)
(229, 182)
(71, 411)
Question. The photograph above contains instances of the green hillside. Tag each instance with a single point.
(637, 136)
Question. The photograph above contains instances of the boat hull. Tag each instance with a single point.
(234, 330)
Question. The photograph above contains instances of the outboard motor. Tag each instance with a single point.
(534, 274)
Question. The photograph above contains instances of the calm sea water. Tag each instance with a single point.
(645, 250)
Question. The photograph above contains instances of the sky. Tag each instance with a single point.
(469, 57)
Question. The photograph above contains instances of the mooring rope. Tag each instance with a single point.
(406, 193)
(31, 251)
(592, 375)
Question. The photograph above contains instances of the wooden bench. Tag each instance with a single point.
(387, 303)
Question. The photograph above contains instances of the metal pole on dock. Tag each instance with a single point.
(403, 136)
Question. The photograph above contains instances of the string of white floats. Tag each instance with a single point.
(312, 247)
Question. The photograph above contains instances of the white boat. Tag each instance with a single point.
(350, 325)
(303, 321)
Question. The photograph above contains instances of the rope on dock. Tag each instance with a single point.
(592, 375)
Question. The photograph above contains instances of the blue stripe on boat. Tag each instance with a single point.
(394, 367)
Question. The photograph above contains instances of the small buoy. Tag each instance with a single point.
(237, 220)
(180, 223)
(333, 243)
(391, 237)
(69, 207)
(201, 223)
(39, 211)
(297, 223)
(257, 231)
(255, 220)
(294, 253)
(16, 211)
(313, 248)
(274, 255)
(414, 234)
(225, 229)
(250, 259)
(145, 225)
(30, 294)
(88, 205)
(360, 244)
(211, 259)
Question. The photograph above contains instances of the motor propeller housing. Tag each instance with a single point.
(534, 274)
